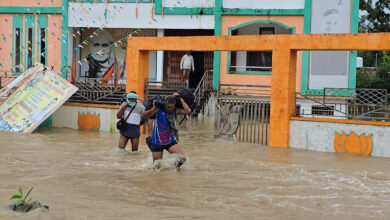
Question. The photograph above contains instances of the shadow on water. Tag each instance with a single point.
(82, 175)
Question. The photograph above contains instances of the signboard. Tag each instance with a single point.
(330, 68)
(34, 101)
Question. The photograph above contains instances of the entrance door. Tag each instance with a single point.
(196, 75)
(202, 61)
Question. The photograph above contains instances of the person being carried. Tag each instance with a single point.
(131, 111)
(163, 135)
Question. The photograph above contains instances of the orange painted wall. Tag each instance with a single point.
(232, 21)
(5, 43)
(33, 3)
(54, 42)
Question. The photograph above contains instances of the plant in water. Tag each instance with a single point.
(19, 197)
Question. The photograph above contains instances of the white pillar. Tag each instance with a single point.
(77, 52)
(70, 52)
(160, 58)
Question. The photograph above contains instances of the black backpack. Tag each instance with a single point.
(188, 97)
(159, 103)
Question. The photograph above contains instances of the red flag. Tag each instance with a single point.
(124, 64)
(107, 76)
(117, 74)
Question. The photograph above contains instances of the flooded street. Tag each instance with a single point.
(82, 175)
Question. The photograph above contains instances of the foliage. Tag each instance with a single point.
(19, 197)
(370, 79)
(375, 17)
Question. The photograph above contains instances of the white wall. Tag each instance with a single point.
(122, 15)
(70, 52)
(152, 64)
(265, 4)
(319, 136)
(67, 117)
(189, 3)
(160, 58)
(306, 106)
(330, 69)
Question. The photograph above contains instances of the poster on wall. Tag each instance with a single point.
(330, 68)
(101, 49)
(34, 101)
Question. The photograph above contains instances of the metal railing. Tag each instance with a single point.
(98, 91)
(165, 85)
(204, 85)
(162, 88)
(250, 68)
(242, 119)
(356, 104)
(244, 90)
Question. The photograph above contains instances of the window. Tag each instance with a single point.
(42, 39)
(252, 61)
(260, 60)
(29, 47)
(18, 54)
(297, 110)
(42, 46)
(322, 110)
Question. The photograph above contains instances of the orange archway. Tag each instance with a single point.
(284, 51)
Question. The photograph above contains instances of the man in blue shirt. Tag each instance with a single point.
(163, 136)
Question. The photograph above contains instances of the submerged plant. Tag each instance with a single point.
(19, 197)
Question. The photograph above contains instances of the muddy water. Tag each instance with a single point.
(81, 175)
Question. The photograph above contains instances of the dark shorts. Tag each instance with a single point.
(160, 148)
(132, 131)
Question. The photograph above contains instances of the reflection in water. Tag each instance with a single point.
(82, 175)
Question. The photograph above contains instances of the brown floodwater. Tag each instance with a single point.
(82, 175)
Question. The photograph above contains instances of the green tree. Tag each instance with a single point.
(375, 17)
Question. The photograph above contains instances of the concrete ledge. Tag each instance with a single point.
(92, 105)
(342, 121)
(337, 135)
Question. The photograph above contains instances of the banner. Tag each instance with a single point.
(34, 101)
(100, 47)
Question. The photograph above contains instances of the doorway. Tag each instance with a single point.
(172, 73)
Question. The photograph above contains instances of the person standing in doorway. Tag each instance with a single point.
(187, 65)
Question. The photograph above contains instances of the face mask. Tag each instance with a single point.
(131, 104)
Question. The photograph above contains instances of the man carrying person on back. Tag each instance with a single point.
(163, 136)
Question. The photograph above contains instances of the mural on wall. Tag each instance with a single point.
(103, 51)
(352, 143)
(88, 121)
(99, 59)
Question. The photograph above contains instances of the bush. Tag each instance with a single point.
(379, 80)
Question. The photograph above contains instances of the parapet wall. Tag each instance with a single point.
(86, 118)
(330, 135)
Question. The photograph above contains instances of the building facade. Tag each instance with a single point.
(54, 32)
(92, 36)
